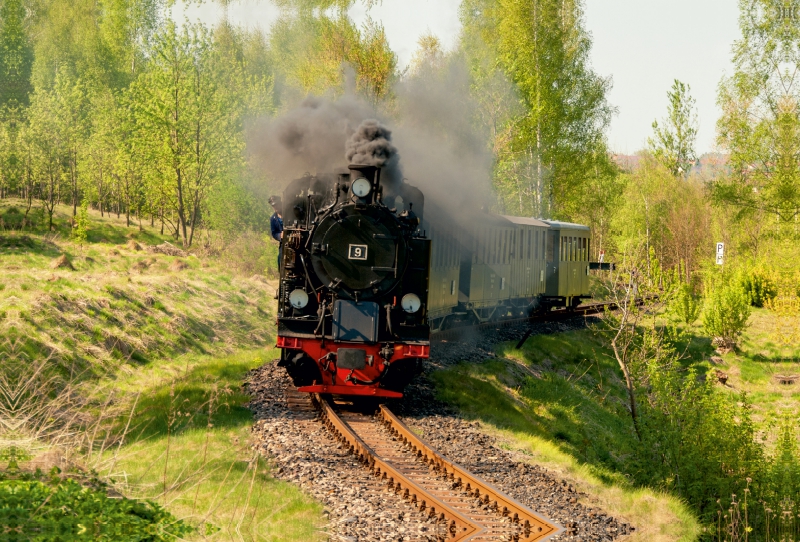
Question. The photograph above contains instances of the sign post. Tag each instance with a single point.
(720, 253)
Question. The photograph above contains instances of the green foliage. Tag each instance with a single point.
(673, 142)
(761, 120)
(312, 51)
(696, 441)
(550, 149)
(65, 509)
(685, 304)
(81, 227)
(16, 57)
(758, 286)
(726, 309)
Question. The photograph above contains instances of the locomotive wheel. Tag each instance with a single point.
(301, 368)
(401, 373)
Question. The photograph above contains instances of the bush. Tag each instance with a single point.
(67, 510)
(696, 440)
(81, 227)
(758, 287)
(685, 304)
(725, 313)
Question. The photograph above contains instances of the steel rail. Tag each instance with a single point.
(534, 527)
(459, 527)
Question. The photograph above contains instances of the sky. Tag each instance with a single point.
(642, 45)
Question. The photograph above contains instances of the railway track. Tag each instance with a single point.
(550, 316)
(465, 507)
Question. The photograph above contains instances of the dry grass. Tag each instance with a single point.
(129, 363)
(657, 516)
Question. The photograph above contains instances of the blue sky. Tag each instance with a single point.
(642, 45)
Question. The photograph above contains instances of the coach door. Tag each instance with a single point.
(551, 265)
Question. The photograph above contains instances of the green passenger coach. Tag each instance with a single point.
(501, 266)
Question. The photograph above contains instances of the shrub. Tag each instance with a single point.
(685, 304)
(725, 313)
(760, 288)
(696, 440)
(81, 228)
(67, 510)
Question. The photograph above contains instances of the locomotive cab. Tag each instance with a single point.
(352, 314)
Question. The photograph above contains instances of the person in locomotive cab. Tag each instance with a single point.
(276, 225)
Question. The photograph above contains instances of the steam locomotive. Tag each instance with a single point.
(353, 296)
(365, 278)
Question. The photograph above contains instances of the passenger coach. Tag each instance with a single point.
(505, 266)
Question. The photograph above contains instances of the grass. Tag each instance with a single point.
(560, 401)
(132, 365)
(159, 345)
(189, 449)
(766, 351)
(122, 304)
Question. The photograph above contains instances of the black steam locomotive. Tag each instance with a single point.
(352, 309)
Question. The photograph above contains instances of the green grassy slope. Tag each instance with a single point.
(560, 400)
(136, 360)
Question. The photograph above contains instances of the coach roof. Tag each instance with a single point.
(555, 224)
(524, 221)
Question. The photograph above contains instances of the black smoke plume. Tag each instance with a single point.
(371, 145)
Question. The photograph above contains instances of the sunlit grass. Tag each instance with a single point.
(164, 352)
(188, 447)
(560, 402)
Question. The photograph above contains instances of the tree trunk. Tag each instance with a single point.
(628, 386)
(181, 210)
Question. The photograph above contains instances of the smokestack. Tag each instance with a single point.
(371, 174)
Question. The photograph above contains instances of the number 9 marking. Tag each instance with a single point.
(357, 252)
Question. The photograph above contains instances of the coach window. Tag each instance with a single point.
(501, 247)
(539, 249)
(530, 243)
(543, 246)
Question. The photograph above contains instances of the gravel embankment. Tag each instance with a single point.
(360, 509)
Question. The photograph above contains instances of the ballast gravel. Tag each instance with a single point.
(304, 453)
(360, 509)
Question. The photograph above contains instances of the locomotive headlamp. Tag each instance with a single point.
(361, 187)
(411, 303)
(298, 298)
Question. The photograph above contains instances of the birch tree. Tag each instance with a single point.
(760, 125)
